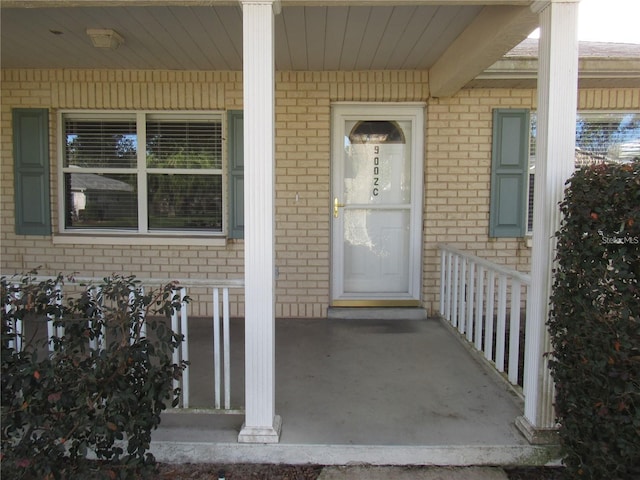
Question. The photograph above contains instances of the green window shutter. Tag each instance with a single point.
(509, 168)
(31, 171)
(236, 174)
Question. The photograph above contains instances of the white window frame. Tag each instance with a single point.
(142, 235)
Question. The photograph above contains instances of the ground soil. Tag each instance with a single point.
(535, 473)
(238, 472)
(303, 472)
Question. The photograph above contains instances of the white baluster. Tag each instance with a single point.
(471, 295)
(480, 307)
(501, 322)
(184, 330)
(216, 347)
(514, 332)
(443, 278)
(488, 324)
(461, 295)
(456, 284)
(227, 349)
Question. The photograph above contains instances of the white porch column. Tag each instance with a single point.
(261, 424)
(557, 104)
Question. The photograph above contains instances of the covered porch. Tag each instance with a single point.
(354, 391)
(377, 391)
(376, 386)
(388, 386)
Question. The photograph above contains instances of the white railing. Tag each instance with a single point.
(475, 295)
(221, 361)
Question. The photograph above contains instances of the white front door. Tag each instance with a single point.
(377, 158)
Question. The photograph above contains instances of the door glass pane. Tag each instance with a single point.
(376, 251)
(377, 163)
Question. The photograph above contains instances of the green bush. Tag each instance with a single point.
(595, 323)
(86, 408)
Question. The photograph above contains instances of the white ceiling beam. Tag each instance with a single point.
(495, 31)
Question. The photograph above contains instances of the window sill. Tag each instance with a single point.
(115, 239)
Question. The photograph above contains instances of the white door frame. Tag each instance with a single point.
(414, 112)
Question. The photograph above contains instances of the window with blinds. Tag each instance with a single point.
(601, 137)
(143, 172)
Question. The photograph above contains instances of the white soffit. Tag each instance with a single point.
(207, 35)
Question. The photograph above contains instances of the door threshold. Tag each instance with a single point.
(371, 303)
(371, 313)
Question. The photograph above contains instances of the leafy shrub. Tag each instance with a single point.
(74, 411)
(595, 323)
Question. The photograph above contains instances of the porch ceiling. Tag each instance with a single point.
(455, 40)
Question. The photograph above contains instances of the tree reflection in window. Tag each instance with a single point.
(376, 131)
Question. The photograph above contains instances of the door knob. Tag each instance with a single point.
(336, 205)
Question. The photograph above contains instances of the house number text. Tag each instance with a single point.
(376, 171)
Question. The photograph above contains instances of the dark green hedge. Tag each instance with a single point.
(595, 323)
(64, 408)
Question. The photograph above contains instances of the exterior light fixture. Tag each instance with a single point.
(105, 38)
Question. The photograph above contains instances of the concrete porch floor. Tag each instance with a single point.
(379, 391)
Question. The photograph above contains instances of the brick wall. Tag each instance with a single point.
(303, 196)
(457, 181)
(102, 89)
(457, 173)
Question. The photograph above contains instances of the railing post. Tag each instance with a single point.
(461, 296)
(16, 343)
(514, 332)
(97, 343)
(480, 307)
(216, 348)
(488, 323)
(221, 341)
(175, 357)
(51, 329)
(471, 294)
(143, 323)
(443, 279)
(227, 348)
(447, 306)
(184, 330)
(180, 324)
(456, 285)
(501, 322)
(140, 326)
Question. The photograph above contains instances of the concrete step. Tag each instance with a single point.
(368, 313)
(366, 472)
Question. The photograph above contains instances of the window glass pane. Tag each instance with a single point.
(100, 201)
(530, 203)
(185, 202)
(600, 137)
(607, 137)
(184, 144)
(177, 143)
(100, 143)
